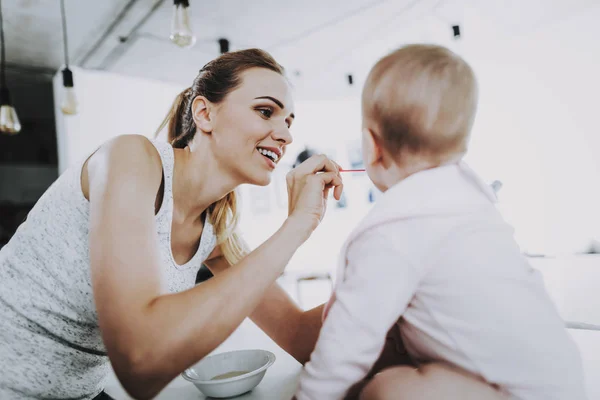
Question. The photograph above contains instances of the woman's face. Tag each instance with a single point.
(251, 127)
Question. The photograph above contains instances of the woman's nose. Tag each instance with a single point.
(283, 135)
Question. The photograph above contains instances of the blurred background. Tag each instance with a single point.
(536, 132)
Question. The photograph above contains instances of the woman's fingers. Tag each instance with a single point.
(310, 183)
(317, 163)
(337, 191)
(338, 186)
(328, 180)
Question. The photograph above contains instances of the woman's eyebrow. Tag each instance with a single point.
(273, 99)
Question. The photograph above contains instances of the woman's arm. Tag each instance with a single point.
(296, 335)
(151, 336)
(294, 330)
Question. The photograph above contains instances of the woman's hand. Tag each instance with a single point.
(308, 189)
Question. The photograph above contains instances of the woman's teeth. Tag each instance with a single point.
(273, 156)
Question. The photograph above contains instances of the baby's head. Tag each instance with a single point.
(418, 106)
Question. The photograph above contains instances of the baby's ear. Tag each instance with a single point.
(372, 147)
(201, 112)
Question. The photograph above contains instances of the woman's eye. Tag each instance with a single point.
(266, 112)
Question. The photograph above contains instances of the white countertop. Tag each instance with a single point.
(279, 382)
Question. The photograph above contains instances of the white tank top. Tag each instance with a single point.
(50, 343)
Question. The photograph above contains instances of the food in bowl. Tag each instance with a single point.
(229, 374)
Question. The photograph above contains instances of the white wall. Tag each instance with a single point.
(537, 131)
(109, 105)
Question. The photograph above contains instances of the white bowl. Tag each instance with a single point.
(252, 364)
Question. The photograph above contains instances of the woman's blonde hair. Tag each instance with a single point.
(423, 101)
(214, 81)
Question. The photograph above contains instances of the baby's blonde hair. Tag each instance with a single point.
(422, 100)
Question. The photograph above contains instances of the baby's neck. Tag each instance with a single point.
(416, 165)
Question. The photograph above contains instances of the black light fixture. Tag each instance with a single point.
(9, 120)
(224, 45)
(456, 31)
(350, 79)
(181, 30)
(69, 100)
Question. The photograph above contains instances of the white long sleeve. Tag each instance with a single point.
(379, 285)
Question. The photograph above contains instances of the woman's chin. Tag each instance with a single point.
(260, 180)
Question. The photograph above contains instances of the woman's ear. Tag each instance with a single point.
(201, 109)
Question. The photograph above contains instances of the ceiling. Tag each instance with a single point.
(319, 42)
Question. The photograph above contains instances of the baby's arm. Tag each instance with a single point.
(379, 283)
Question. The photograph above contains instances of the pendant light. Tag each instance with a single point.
(181, 31)
(9, 120)
(69, 101)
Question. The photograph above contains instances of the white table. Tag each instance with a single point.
(279, 382)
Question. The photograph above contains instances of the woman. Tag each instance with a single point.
(103, 268)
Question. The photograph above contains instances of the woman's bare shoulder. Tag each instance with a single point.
(124, 158)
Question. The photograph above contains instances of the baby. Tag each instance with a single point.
(435, 260)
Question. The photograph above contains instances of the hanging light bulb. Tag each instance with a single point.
(9, 120)
(181, 31)
(69, 100)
